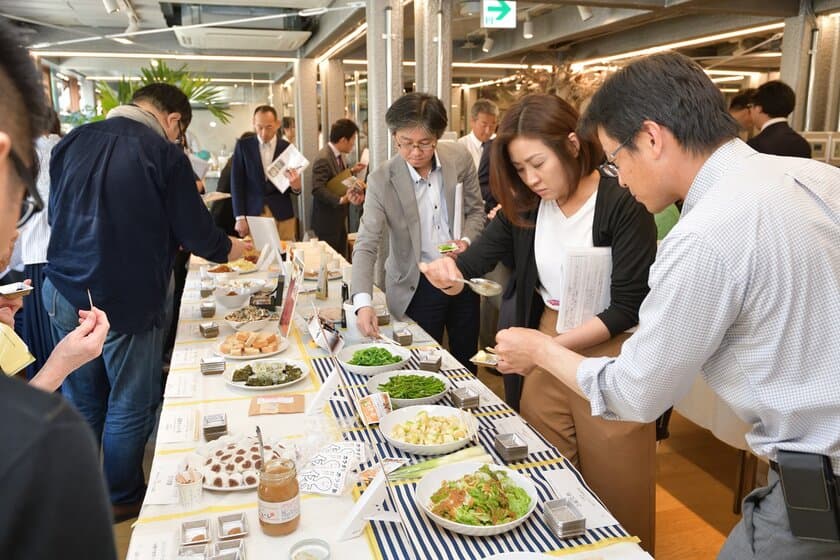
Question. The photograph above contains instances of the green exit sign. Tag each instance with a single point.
(498, 13)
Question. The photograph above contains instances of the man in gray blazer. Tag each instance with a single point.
(413, 195)
(329, 210)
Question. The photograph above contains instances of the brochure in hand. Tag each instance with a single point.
(290, 159)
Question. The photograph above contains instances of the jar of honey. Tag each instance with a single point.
(279, 499)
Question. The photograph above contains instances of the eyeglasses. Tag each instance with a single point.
(609, 167)
(422, 146)
(32, 203)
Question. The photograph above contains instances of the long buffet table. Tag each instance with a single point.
(189, 395)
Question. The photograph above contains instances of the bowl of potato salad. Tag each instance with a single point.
(429, 429)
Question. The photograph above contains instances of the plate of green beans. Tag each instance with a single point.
(410, 387)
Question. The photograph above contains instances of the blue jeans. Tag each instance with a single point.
(117, 393)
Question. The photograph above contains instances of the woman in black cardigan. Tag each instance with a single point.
(541, 164)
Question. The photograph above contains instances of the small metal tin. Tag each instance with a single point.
(430, 360)
(382, 315)
(214, 426)
(262, 300)
(194, 552)
(404, 337)
(232, 526)
(195, 532)
(208, 309)
(209, 329)
(564, 518)
(310, 548)
(465, 398)
(230, 546)
(213, 364)
(511, 447)
(206, 288)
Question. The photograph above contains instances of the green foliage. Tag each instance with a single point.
(197, 89)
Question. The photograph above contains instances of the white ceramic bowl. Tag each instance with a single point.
(374, 383)
(347, 354)
(391, 420)
(231, 302)
(431, 483)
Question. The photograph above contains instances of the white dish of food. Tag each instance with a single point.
(347, 354)
(246, 345)
(429, 429)
(232, 464)
(282, 372)
(434, 488)
(251, 318)
(411, 375)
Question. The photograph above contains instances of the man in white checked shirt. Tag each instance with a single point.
(745, 288)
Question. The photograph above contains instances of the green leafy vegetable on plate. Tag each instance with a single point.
(373, 356)
(412, 386)
(485, 497)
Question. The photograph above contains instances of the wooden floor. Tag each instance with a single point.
(695, 475)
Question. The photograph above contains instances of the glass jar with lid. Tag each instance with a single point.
(279, 498)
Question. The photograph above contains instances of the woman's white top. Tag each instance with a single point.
(35, 234)
(555, 232)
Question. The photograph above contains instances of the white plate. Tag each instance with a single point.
(391, 420)
(198, 458)
(283, 344)
(347, 354)
(430, 484)
(374, 383)
(228, 375)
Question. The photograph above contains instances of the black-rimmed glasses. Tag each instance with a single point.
(609, 167)
(422, 146)
(32, 203)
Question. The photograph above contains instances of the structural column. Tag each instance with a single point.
(385, 54)
(332, 94)
(433, 48)
(306, 123)
(796, 63)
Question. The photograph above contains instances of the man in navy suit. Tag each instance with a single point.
(771, 104)
(251, 192)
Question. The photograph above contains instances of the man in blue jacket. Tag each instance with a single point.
(123, 199)
(251, 192)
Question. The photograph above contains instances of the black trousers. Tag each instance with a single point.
(435, 311)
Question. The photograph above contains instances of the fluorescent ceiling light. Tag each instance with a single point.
(234, 81)
(311, 12)
(165, 56)
(723, 79)
(346, 40)
(123, 41)
(484, 65)
(729, 90)
(577, 66)
(489, 82)
(584, 12)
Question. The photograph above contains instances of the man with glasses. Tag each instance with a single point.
(53, 501)
(744, 291)
(122, 200)
(413, 197)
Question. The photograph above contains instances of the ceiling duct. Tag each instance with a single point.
(282, 34)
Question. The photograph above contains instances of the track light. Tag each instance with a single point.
(585, 12)
(488, 44)
(528, 28)
(111, 6)
(133, 25)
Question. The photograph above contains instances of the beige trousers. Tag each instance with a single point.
(286, 229)
(617, 459)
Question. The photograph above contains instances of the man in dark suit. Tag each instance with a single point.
(329, 210)
(771, 104)
(251, 192)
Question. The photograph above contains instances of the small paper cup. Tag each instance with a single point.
(189, 494)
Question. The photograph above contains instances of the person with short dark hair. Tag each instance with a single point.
(53, 502)
(123, 198)
(771, 104)
(412, 196)
(740, 108)
(743, 292)
(329, 210)
(287, 129)
(553, 200)
(252, 193)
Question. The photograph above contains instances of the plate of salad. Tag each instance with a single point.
(373, 358)
(476, 499)
(408, 387)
